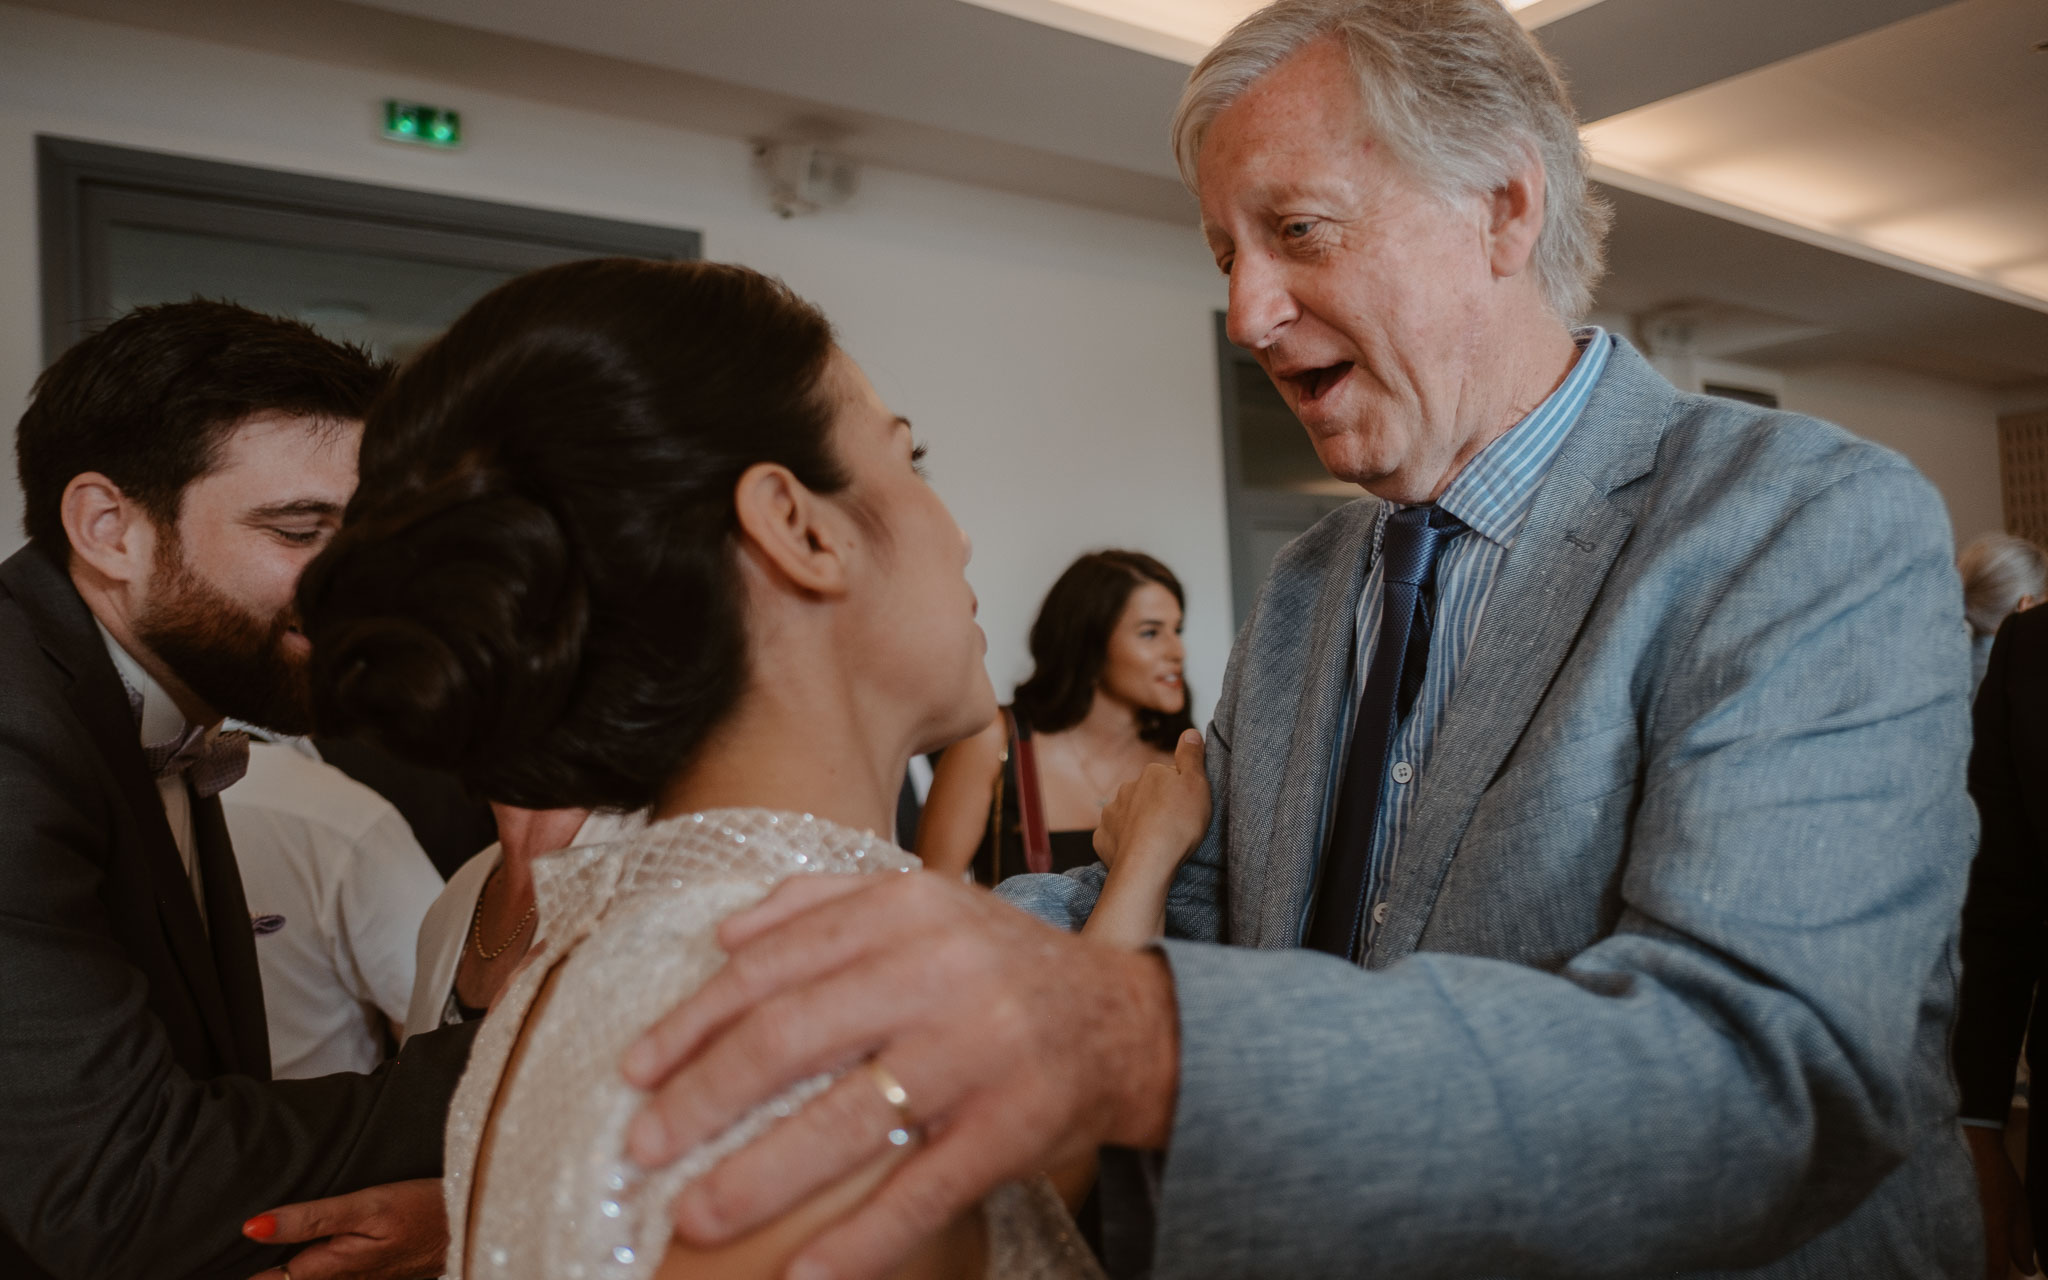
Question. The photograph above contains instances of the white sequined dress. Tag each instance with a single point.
(628, 929)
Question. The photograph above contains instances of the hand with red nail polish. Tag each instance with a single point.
(398, 1231)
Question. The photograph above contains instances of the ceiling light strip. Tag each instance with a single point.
(1671, 193)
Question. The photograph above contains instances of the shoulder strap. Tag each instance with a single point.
(1037, 843)
(995, 808)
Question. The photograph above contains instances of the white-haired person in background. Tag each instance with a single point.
(2002, 575)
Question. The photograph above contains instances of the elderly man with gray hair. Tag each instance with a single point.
(1572, 879)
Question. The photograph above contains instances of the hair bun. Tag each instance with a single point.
(536, 586)
(465, 631)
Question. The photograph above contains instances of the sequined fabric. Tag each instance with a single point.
(628, 929)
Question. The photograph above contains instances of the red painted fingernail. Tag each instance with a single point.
(261, 1227)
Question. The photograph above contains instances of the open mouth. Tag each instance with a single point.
(1313, 384)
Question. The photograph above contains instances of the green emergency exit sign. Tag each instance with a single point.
(417, 122)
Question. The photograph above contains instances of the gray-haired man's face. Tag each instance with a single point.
(1363, 295)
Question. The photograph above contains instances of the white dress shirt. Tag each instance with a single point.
(163, 722)
(336, 886)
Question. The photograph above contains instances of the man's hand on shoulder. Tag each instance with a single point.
(1016, 1046)
(398, 1231)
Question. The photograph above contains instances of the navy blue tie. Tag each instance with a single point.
(1408, 552)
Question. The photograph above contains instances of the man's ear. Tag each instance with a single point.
(794, 531)
(108, 530)
(1515, 217)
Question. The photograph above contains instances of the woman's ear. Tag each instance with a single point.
(800, 535)
(108, 530)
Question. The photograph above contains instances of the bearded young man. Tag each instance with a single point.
(180, 468)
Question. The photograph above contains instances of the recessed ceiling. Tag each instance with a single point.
(1184, 30)
(1928, 110)
(1761, 298)
(1919, 145)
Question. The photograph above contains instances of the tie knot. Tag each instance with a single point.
(1413, 536)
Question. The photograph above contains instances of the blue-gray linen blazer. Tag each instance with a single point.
(1670, 967)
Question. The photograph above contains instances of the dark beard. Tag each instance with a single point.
(232, 658)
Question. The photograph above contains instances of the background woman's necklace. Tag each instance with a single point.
(1103, 795)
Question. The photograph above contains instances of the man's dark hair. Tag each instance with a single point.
(1070, 644)
(147, 401)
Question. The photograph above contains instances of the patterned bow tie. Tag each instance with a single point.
(212, 762)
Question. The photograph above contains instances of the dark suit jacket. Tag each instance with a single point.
(2005, 924)
(138, 1123)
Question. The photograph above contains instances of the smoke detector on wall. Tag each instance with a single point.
(805, 178)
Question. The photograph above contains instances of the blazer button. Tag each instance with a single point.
(1379, 913)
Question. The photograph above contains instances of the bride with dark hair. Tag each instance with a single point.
(639, 535)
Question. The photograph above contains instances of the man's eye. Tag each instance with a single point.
(917, 456)
(298, 537)
(1296, 229)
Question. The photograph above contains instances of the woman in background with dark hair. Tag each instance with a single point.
(640, 536)
(1105, 698)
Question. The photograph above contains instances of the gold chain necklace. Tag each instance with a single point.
(1103, 795)
(476, 922)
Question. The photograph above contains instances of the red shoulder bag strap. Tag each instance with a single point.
(1037, 843)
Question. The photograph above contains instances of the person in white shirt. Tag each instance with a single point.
(337, 886)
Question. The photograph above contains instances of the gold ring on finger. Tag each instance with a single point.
(897, 1096)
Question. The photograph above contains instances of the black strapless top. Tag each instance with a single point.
(1070, 849)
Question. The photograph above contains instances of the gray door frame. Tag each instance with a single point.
(85, 187)
(1251, 512)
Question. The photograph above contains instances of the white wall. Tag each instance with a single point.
(1948, 429)
(1058, 360)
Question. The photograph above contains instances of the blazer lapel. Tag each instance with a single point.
(1560, 560)
(69, 637)
(1275, 894)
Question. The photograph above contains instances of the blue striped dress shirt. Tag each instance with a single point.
(1492, 496)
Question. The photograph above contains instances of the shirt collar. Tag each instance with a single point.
(161, 719)
(1492, 495)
